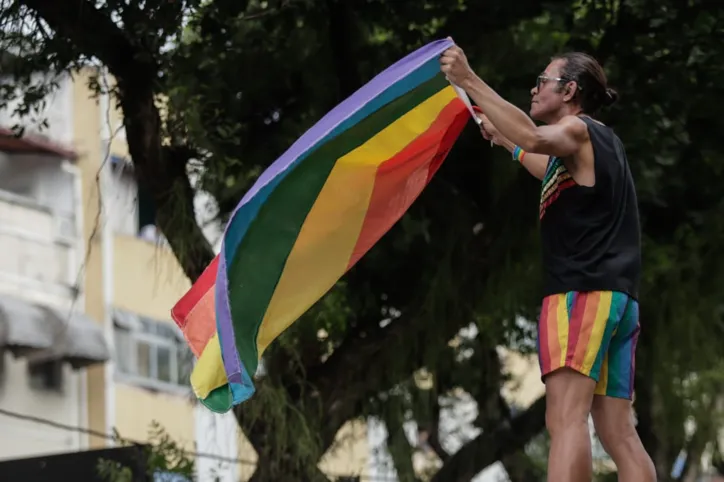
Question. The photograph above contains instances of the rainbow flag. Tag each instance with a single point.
(313, 214)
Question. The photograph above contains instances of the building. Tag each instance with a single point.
(86, 288)
(48, 341)
(136, 280)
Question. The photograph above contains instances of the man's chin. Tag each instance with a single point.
(533, 112)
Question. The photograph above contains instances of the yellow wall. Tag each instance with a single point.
(114, 117)
(87, 128)
(137, 408)
(248, 454)
(147, 279)
(525, 386)
(350, 452)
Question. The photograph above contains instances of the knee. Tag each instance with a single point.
(552, 420)
(564, 418)
(614, 433)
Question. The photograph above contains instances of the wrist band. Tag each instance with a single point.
(518, 154)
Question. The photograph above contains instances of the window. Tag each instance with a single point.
(150, 351)
(133, 211)
(39, 180)
(47, 375)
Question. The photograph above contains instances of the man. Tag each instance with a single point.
(591, 258)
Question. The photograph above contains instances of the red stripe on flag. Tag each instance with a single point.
(195, 312)
(401, 179)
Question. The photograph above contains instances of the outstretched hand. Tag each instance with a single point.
(455, 66)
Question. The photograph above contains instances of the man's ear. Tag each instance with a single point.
(569, 91)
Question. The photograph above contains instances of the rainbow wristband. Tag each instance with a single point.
(518, 154)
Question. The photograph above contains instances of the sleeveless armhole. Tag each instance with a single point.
(592, 127)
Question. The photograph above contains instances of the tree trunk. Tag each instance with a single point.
(161, 170)
(401, 451)
(491, 446)
(265, 420)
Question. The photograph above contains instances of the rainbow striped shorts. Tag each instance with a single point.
(594, 333)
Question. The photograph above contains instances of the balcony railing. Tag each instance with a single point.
(37, 248)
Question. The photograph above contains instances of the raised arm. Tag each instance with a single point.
(562, 139)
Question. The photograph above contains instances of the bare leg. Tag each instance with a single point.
(614, 422)
(569, 395)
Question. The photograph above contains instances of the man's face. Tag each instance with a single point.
(548, 96)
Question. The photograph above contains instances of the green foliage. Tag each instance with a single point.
(162, 454)
(241, 80)
(112, 471)
(166, 455)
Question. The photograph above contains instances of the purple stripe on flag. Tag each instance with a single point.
(353, 105)
(345, 109)
(229, 355)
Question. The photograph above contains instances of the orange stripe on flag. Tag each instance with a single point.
(401, 179)
(195, 312)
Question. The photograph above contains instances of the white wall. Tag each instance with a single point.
(380, 464)
(58, 112)
(206, 210)
(38, 263)
(40, 179)
(21, 438)
(38, 239)
(34, 268)
(216, 434)
(121, 201)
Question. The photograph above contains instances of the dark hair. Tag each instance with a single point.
(593, 91)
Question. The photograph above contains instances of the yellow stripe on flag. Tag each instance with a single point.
(322, 251)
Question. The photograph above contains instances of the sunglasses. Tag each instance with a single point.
(542, 79)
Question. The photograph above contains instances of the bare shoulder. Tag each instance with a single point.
(575, 127)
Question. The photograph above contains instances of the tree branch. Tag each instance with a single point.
(491, 446)
(94, 33)
(176, 216)
(359, 361)
(628, 25)
(161, 170)
(400, 450)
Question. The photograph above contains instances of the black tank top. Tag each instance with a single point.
(591, 236)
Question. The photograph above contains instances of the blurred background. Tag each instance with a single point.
(130, 129)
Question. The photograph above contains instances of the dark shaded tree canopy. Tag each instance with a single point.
(241, 80)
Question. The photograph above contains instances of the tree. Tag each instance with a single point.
(128, 40)
(466, 252)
